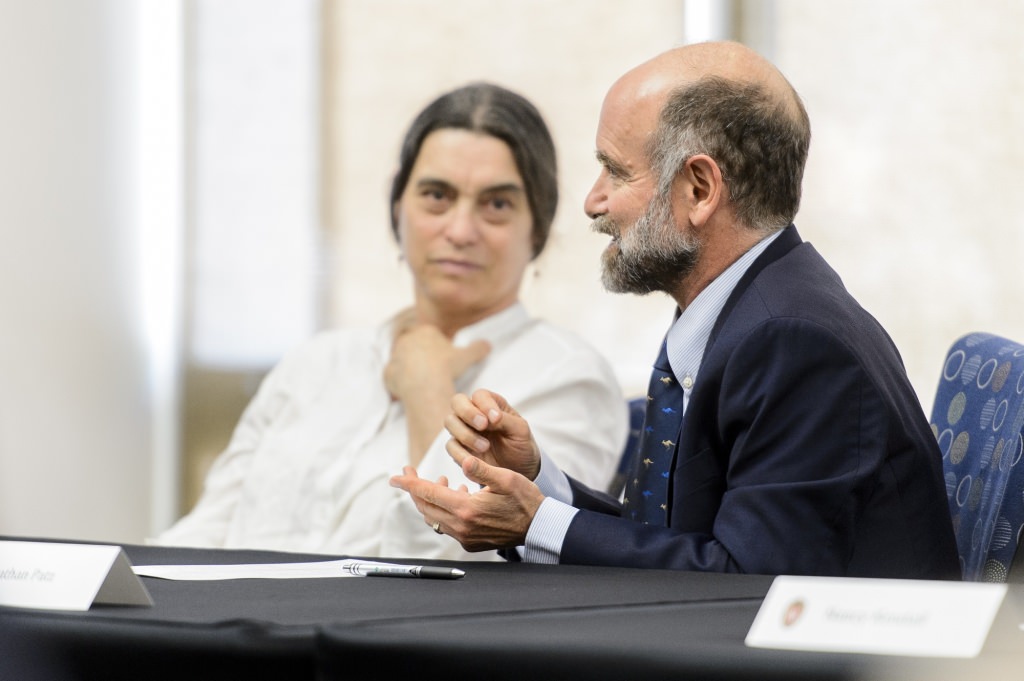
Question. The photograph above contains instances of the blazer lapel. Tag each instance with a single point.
(786, 241)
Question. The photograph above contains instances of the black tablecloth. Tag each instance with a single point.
(500, 621)
(268, 628)
(699, 640)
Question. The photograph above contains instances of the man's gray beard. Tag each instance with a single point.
(652, 256)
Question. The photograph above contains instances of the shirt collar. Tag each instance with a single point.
(504, 323)
(689, 334)
(497, 326)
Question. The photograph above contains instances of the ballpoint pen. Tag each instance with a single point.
(389, 570)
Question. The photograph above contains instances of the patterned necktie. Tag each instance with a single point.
(646, 493)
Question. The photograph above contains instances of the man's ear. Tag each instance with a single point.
(701, 187)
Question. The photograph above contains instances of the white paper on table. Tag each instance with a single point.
(317, 569)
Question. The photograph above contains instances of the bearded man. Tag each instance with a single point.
(782, 434)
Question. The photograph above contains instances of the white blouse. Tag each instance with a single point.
(308, 465)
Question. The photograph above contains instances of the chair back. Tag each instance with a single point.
(977, 417)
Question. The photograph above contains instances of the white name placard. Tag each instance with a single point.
(55, 576)
(878, 616)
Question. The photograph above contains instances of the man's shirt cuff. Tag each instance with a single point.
(550, 524)
(552, 481)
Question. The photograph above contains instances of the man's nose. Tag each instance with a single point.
(596, 202)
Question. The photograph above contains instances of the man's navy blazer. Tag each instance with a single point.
(804, 448)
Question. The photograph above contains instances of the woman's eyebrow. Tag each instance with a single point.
(505, 187)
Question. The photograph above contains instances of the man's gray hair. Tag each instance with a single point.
(758, 140)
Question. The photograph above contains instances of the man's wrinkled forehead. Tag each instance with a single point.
(634, 102)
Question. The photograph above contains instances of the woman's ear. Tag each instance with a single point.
(396, 226)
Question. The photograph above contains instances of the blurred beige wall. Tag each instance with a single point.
(75, 431)
(917, 158)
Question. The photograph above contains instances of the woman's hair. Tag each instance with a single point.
(505, 115)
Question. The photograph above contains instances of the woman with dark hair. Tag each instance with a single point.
(308, 466)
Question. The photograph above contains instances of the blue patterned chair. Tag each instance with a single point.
(977, 417)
